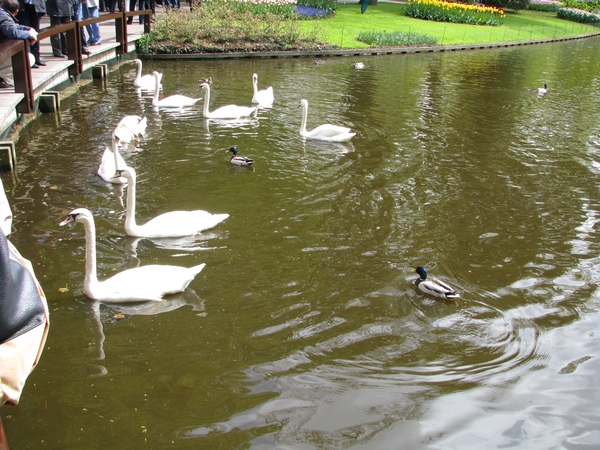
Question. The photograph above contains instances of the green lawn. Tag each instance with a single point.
(344, 27)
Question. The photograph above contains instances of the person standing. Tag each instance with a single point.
(90, 10)
(77, 15)
(11, 29)
(30, 14)
(60, 11)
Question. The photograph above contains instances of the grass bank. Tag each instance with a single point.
(343, 29)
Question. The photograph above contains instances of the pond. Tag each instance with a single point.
(305, 330)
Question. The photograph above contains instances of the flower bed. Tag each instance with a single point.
(454, 12)
(545, 5)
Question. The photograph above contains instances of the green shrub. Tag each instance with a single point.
(395, 38)
(578, 15)
(545, 5)
(509, 4)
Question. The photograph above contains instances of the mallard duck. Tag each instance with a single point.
(433, 287)
(359, 65)
(240, 160)
(319, 61)
(542, 90)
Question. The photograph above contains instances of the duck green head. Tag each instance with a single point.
(233, 150)
(422, 272)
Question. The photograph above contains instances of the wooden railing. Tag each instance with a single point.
(18, 49)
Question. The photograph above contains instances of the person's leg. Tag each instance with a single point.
(55, 40)
(63, 36)
(131, 8)
(6, 75)
(142, 6)
(94, 29)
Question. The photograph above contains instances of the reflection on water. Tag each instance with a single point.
(305, 329)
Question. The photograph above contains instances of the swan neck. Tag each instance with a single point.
(255, 85)
(130, 207)
(139, 70)
(115, 149)
(91, 275)
(206, 92)
(156, 89)
(304, 118)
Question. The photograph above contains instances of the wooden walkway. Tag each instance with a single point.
(55, 74)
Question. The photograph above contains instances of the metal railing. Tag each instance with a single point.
(18, 49)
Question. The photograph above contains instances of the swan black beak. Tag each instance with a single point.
(118, 173)
(70, 219)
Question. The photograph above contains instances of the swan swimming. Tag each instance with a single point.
(143, 283)
(169, 224)
(325, 132)
(264, 97)
(224, 112)
(145, 82)
(434, 287)
(359, 65)
(111, 161)
(172, 101)
(131, 128)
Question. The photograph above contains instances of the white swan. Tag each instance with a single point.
(131, 128)
(111, 161)
(264, 97)
(145, 82)
(224, 112)
(359, 65)
(172, 101)
(139, 284)
(169, 224)
(325, 132)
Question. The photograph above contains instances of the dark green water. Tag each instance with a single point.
(305, 330)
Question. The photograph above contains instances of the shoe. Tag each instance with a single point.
(4, 84)
(40, 63)
(94, 42)
(130, 21)
(85, 51)
(35, 66)
(60, 55)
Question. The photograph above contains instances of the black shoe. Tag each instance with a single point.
(130, 21)
(4, 84)
(85, 51)
(60, 55)
(35, 66)
(40, 63)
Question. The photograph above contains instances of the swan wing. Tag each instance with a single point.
(178, 223)
(176, 101)
(264, 97)
(231, 112)
(144, 283)
(327, 130)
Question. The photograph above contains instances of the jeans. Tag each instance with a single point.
(93, 29)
